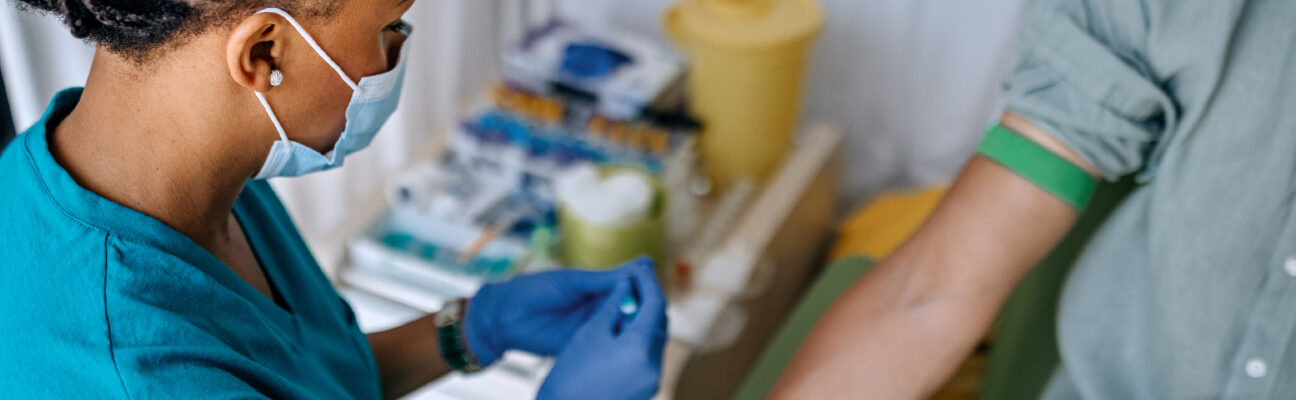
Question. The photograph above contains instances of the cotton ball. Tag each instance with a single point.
(577, 180)
(632, 192)
(617, 200)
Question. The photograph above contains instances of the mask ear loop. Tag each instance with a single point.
(273, 118)
(311, 41)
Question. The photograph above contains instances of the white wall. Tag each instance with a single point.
(454, 55)
(39, 57)
(914, 82)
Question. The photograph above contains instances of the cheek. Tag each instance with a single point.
(323, 95)
(323, 115)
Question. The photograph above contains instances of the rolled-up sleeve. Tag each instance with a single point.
(1080, 76)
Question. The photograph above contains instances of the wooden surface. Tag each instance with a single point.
(791, 222)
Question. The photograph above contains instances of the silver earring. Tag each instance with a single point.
(276, 78)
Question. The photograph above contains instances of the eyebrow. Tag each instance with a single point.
(399, 2)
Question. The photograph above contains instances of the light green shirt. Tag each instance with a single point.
(1189, 290)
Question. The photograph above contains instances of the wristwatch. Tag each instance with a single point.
(454, 347)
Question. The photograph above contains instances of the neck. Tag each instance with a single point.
(163, 145)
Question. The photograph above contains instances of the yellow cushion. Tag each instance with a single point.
(879, 227)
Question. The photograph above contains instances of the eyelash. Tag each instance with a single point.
(398, 26)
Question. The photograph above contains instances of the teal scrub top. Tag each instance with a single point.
(101, 301)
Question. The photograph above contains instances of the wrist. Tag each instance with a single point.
(452, 338)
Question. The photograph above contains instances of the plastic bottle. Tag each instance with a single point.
(748, 64)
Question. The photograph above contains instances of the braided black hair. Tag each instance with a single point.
(138, 28)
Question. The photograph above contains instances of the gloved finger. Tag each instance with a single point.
(639, 266)
(588, 283)
(599, 284)
(607, 317)
(652, 303)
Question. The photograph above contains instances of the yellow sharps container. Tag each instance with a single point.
(748, 68)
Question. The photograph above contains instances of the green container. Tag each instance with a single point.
(591, 246)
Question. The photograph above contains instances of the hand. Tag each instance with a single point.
(614, 356)
(538, 313)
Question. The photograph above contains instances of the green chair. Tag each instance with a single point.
(834, 280)
(1024, 353)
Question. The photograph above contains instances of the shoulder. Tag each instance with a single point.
(48, 257)
(19, 177)
(177, 326)
(54, 333)
(155, 296)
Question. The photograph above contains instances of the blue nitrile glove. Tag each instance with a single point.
(615, 356)
(536, 313)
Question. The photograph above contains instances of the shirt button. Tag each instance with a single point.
(1290, 266)
(1256, 368)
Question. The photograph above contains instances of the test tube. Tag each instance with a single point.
(638, 139)
(553, 111)
(629, 305)
(597, 126)
(659, 142)
(619, 135)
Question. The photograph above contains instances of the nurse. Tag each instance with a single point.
(145, 256)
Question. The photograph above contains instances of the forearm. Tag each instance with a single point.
(408, 357)
(903, 329)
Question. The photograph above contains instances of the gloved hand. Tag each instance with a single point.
(537, 313)
(613, 356)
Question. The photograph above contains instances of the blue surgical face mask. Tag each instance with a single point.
(372, 102)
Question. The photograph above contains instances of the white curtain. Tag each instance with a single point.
(913, 82)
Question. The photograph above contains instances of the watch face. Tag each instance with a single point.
(449, 313)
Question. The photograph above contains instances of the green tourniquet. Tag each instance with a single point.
(1039, 165)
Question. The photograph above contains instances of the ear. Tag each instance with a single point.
(255, 47)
